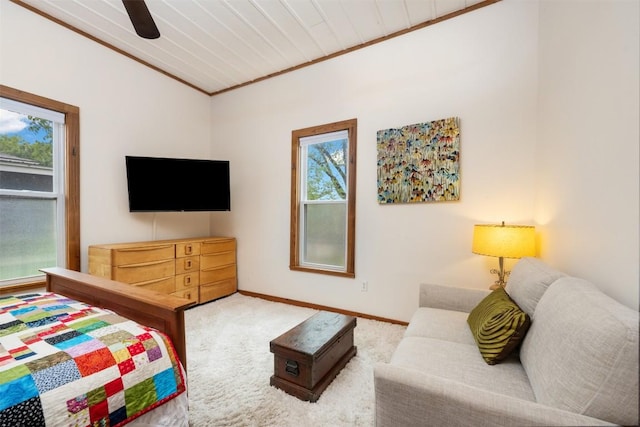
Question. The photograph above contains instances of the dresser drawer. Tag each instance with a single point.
(216, 290)
(166, 285)
(187, 264)
(187, 249)
(191, 293)
(217, 274)
(214, 246)
(144, 272)
(143, 254)
(217, 260)
(188, 280)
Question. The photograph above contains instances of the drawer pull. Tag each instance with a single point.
(144, 264)
(187, 280)
(291, 368)
(188, 264)
(140, 249)
(151, 282)
(188, 250)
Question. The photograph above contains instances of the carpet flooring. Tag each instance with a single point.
(229, 366)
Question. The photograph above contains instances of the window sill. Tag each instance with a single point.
(321, 271)
(39, 285)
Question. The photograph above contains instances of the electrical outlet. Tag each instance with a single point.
(365, 286)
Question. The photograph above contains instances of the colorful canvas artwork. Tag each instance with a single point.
(419, 162)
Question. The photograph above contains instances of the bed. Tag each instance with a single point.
(92, 351)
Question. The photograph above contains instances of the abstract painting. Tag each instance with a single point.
(419, 163)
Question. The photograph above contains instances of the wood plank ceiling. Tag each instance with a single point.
(219, 45)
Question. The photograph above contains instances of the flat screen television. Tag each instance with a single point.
(158, 184)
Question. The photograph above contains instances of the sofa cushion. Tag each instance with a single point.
(529, 279)
(446, 325)
(498, 326)
(462, 362)
(450, 297)
(581, 352)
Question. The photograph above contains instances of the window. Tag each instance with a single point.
(323, 198)
(39, 187)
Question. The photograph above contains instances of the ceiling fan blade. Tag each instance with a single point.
(141, 19)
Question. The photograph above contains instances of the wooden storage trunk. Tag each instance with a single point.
(309, 356)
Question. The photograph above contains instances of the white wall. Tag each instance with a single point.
(125, 108)
(588, 176)
(481, 67)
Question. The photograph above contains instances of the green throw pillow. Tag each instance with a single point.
(498, 326)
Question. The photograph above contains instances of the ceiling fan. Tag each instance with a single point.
(141, 19)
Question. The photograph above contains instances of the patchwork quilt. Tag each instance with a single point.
(65, 363)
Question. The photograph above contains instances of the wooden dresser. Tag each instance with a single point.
(200, 269)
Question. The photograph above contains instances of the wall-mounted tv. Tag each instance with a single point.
(158, 184)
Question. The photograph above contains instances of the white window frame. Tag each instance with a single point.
(305, 143)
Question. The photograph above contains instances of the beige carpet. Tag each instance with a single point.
(229, 366)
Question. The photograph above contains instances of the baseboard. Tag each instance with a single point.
(320, 307)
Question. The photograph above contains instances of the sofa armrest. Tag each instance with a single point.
(407, 397)
(450, 298)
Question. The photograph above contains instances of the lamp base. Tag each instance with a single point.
(501, 282)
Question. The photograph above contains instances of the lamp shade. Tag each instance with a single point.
(507, 241)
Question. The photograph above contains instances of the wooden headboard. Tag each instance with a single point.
(160, 311)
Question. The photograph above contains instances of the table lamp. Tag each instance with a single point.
(503, 241)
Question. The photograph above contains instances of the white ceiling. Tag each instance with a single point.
(218, 45)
